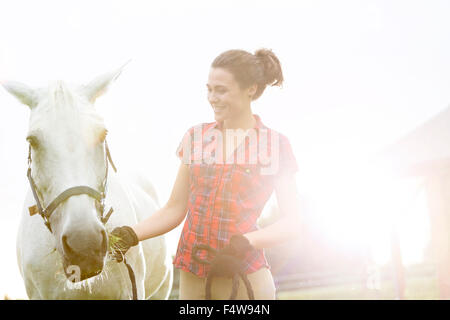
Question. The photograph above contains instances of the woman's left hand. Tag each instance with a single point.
(228, 261)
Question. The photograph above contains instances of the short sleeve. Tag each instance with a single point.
(185, 146)
(287, 164)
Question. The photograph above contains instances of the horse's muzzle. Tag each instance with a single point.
(83, 264)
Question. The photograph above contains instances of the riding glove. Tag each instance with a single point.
(125, 239)
(228, 261)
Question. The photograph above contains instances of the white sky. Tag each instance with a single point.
(358, 75)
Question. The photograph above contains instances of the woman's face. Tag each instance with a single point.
(227, 99)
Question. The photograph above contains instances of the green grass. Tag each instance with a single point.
(417, 288)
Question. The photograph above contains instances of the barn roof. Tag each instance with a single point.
(423, 151)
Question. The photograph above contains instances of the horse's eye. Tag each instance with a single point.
(33, 141)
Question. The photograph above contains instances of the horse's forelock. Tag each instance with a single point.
(61, 97)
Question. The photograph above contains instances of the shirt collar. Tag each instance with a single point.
(258, 125)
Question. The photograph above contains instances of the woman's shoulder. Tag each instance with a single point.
(269, 130)
(274, 134)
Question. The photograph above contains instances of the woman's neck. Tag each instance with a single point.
(245, 121)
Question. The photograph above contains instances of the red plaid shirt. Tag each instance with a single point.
(227, 196)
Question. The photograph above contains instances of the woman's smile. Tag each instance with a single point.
(218, 109)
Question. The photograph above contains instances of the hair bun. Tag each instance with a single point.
(271, 67)
(261, 68)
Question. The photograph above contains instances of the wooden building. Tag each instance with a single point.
(425, 152)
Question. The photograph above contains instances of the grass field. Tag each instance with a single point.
(417, 288)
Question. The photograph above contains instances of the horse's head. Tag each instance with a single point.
(67, 139)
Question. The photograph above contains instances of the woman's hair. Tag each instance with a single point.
(262, 68)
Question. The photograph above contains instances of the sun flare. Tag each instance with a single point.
(359, 205)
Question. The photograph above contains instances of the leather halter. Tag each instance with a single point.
(45, 213)
(99, 196)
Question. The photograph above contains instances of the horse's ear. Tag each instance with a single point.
(25, 94)
(99, 85)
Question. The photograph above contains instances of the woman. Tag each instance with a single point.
(229, 169)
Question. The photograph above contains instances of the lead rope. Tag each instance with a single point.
(210, 276)
(132, 278)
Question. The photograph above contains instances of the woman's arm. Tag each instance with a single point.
(170, 215)
(288, 226)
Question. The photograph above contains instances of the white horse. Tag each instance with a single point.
(69, 260)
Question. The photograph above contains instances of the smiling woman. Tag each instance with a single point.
(221, 194)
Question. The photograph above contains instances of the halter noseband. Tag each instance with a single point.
(45, 213)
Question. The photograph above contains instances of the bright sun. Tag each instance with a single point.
(358, 204)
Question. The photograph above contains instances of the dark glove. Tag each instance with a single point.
(228, 261)
(124, 238)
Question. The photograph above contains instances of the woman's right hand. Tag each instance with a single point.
(123, 239)
(158, 223)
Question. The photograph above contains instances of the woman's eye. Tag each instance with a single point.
(217, 90)
(221, 90)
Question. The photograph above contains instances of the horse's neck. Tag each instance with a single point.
(120, 198)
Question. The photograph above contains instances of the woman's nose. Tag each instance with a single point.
(212, 98)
